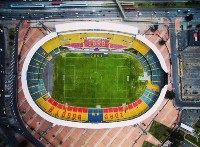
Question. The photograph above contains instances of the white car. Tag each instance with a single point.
(139, 13)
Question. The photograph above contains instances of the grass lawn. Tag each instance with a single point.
(85, 81)
(193, 139)
(148, 144)
(197, 126)
(152, 5)
(159, 131)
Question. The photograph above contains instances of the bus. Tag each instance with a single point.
(130, 9)
(56, 3)
(24, 6)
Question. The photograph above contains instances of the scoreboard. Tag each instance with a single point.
(100, 43)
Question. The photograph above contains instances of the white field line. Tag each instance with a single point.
(73, 78)
(118, 77)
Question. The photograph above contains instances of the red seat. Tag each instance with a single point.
(139, 101)
(69, 108)
(80, 109)
(135, 104)
(63, 107)
(85, 110)
(120, 108)
(74, 109)
(50, 100)
(130, 106)
(55, 103)
(105, 110)
(60, 106)
(110, 110)
(115, 109)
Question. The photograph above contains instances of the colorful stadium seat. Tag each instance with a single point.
(95, 115)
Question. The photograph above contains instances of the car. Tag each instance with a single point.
(41, 18)
(178, 11)
(4, 111)
(139, 13)
(46, 17)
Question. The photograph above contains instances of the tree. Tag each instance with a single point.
(23, 143)
(154, 27)
(189, 17)
(162, 41)
(198, 26)
(170, 95)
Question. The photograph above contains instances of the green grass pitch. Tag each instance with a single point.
(86, 81)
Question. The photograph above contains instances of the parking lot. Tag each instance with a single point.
(190, 73)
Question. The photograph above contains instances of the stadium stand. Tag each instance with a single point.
(144, 54)
(51, 44)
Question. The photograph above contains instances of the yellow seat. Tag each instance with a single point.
(84, 117)
(140, 46)
(51, 44)
(40, 101)
(153, 86)
(46, 106)
(142, 107)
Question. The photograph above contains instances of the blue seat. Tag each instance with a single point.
(35, 96)
(38, 57)
(157, 83)
(156, 72)
(40, 75)
(52, 53)
(57, 51)
(40, 81)
(34, 89)
(153, 92)
(95, 115)
(33, 69)
(45, 61)
(42, 52)
(32, 76)
(156, 78)
(147, 101)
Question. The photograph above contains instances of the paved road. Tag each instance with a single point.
(2, 76)
(93, 0)
(95, 12)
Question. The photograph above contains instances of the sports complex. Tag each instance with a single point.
(103, 75)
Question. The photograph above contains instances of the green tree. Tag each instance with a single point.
(161, 41)
(170, 95)
(154, 28)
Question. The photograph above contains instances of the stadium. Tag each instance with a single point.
(94, 75)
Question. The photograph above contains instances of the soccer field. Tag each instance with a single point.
(86, 81)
